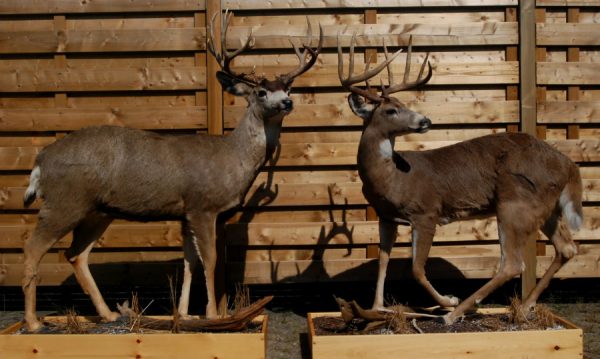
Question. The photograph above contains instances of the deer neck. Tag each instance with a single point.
(255, 138)
(376, 164)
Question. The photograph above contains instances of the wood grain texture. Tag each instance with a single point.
(569, 34)
(148, 79)
(11, 7)
(466, 34)
(299, 4)
(568, 73)
(70, 119)
(74, 41)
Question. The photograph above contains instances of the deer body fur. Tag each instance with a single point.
(467, 179)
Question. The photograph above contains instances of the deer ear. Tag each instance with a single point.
(233, 85)
(360, 107)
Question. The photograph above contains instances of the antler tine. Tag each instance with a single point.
(223, 56)
(347, 82)
(405, 85)
(314, 53)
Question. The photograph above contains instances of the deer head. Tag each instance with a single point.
(271, 96)
(382, 111)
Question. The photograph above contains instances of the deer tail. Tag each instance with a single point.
(32, 191)
(570, 199)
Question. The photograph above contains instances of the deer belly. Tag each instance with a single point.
(147, 206)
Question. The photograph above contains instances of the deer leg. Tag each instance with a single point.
(422, 239)
(49, 229)
(190, 260)
(556, 230)
(203, 226)
(387, 237)
(511, 265)
(85, 236)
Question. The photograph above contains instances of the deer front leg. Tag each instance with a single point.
(422, 239)
(203, 227)
(387, 237)
(190, 260)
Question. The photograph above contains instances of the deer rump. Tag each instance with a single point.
(472, 178)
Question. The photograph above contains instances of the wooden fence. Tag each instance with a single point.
(65, 65)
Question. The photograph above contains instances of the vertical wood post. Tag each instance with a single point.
(527, 80)
(370, 17)
(214, 102)
(573, 91)
(213, 88)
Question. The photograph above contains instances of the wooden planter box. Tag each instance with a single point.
(133, 346)
(542, 344)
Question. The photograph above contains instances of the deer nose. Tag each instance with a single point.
(424, 125)
(288, 104)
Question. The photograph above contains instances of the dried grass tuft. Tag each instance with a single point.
(516, 315)
(540, 317)
(73, 325)
(242, 297)
(544, 316)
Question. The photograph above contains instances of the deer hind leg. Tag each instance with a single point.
(387, 237)
(422, 239)
(557, 231)
(190, 260)
(203, 227)
(85, 236)
(511, 265)
(51, 227)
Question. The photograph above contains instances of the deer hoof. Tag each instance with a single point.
(33, 325)
(111, 316)
(449, 319)
(450, 301)
(185, 316)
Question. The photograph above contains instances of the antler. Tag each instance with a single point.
(304, 65)
(225, 57)
(405, 85)
(365, 76)
(349, 81)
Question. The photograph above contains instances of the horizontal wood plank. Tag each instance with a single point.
(74, 41)
(70, 119)
(317, 4)
(568, 73)
(569, 34)
(568, 112)
(61, 80)
(578, 3)
(464, 34)
(13, 7)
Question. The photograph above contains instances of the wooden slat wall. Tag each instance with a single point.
(66, 65)
(473, 92)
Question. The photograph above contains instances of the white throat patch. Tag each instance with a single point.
(385, 148)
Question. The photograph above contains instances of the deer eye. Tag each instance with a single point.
(391, 112)
(262, 93)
